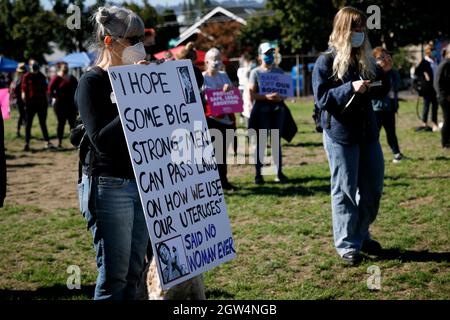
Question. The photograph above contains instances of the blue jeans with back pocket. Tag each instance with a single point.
(113, 211)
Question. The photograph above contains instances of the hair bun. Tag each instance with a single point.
(103, 15)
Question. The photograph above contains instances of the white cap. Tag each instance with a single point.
(265, 47)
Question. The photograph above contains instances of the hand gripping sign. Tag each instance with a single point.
(275, 83)
(221, 102)
(173, 160)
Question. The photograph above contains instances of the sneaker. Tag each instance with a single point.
(424, 128)
(436, 128)
(259, 179)
(371, 247)
(397, 158)
(281, 178)
(352, 258)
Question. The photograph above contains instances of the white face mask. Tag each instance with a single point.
(357, 39)
(214, 64)
(133, 54)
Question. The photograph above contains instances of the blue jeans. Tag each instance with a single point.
(357, 173)
(114, 214)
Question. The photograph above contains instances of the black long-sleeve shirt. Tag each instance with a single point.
(101, 120)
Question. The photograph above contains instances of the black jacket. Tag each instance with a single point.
(442, 80)
(425, 66)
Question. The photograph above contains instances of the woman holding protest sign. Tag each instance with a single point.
(267, 113)
(109, 198)
(345, 79)
(216, 79)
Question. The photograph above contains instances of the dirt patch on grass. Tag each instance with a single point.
(42, 178)
(417, 202)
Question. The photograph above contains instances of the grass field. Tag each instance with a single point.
(282, 233)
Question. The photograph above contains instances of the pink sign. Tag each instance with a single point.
(4, 103)
(220, 102)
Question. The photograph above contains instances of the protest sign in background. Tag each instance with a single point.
(275, 82)
(173, 160)
(4, 103)
(221, 102)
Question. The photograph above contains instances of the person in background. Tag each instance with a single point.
(108, 193)
(189, 52)
(267, 114)
(216, 79)
(342, 79)
(243, 74)
(149, 42)
(16, 90)
(34, 95)
(427, 70)
(386, 108)
(442, 86)
(62, 91)
(2, 163)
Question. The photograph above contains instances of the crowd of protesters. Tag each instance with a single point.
(355, 89)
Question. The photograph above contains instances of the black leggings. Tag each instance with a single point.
(427, 100)
(386, 119)
(22, 116)
(65, 112)
(41, 110)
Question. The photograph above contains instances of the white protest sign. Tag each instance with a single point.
(173, 160)
(275, 82)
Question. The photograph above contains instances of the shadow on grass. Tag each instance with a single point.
(28, 164)
(413, 256)
(441, 177)
(218, 293)
(292, 188)
(57, 292)
(304, 144)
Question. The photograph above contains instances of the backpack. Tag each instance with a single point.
(80, 140)
(317, 112)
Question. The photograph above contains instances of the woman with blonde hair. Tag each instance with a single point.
(108, 193)
(345, 79)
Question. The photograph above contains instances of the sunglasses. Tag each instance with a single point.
(134, 40)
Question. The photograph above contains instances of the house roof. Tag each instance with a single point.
(217, 11)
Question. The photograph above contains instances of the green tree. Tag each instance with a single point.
(147, 13)
(31, 30)
(405, 22)
(72, 39)
(257, 30)
(305, 25)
